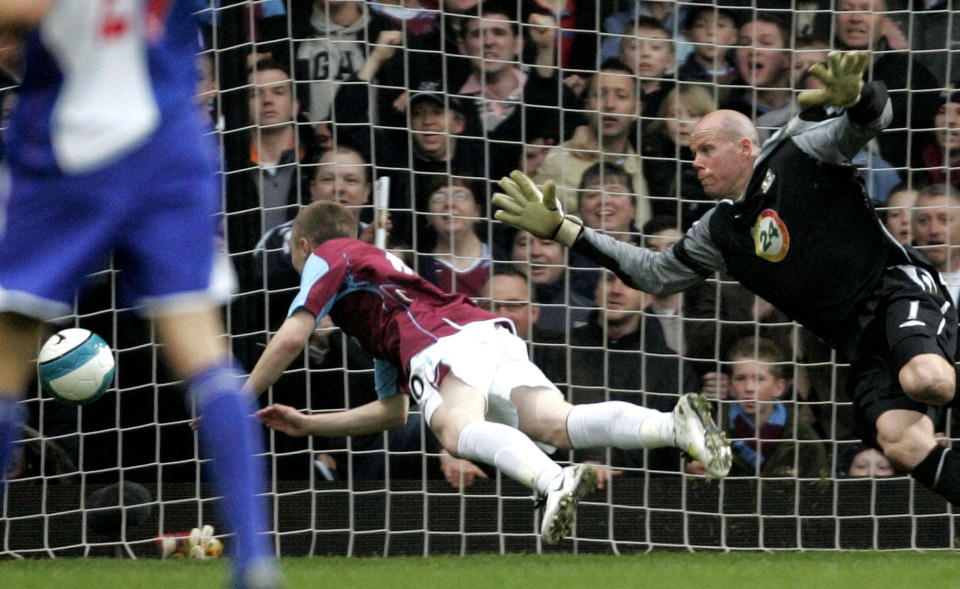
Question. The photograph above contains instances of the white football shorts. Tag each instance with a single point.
(486, 355)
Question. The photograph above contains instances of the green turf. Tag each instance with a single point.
(816, 570)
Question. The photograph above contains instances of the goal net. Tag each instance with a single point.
(412, 110)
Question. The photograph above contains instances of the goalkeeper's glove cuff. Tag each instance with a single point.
(568, 231)
(873, 99)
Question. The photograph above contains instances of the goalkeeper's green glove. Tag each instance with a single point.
(525, 207)
(842, 77)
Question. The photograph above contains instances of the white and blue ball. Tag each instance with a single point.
(76, 366)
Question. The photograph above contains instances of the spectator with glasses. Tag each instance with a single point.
(458, 259)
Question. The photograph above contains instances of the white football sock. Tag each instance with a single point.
(618, 424)
(510, 451)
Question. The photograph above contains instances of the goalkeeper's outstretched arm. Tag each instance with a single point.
(526, 207)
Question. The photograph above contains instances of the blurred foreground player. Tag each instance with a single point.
(107, 156)
(480, 394)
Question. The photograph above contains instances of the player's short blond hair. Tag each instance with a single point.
(322, 221)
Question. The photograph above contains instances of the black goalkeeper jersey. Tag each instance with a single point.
(805, 238)
(802, 235)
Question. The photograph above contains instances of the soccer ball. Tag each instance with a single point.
(75, 366)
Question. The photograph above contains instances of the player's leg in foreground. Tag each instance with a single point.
(229, 435)
(457, 411)
(19, 337)
(547, 417)
(458, 422)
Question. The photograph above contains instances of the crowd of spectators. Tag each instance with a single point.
(443, 97)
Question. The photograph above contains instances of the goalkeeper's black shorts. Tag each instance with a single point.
(909, 316)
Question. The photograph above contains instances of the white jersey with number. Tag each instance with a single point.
(106, 105)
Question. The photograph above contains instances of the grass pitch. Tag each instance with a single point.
(816, 570)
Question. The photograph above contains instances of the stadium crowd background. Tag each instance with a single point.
(321, 99)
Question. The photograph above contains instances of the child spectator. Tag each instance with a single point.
(615, 26)
(713, 31)
(809, 51)
(648, 50)
(766, 437)
(897, 213)
(764, 66)
(667, 159)
(862, 461)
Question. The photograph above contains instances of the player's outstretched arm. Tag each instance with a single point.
(526, 207)
(284, 419)
(372, 418)
(284, 347)
(23, 12)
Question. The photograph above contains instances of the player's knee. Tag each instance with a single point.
(449, 438)
(550, 428)
(899, 456)
(555, 435)
(553, 430)
(451, 444)
(542, 415)
(902, 447)
(930, 379)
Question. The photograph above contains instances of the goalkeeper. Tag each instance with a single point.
(794, 225)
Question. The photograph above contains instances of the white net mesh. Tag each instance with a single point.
(443, 103)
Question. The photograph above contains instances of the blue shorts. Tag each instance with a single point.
(155, 210)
